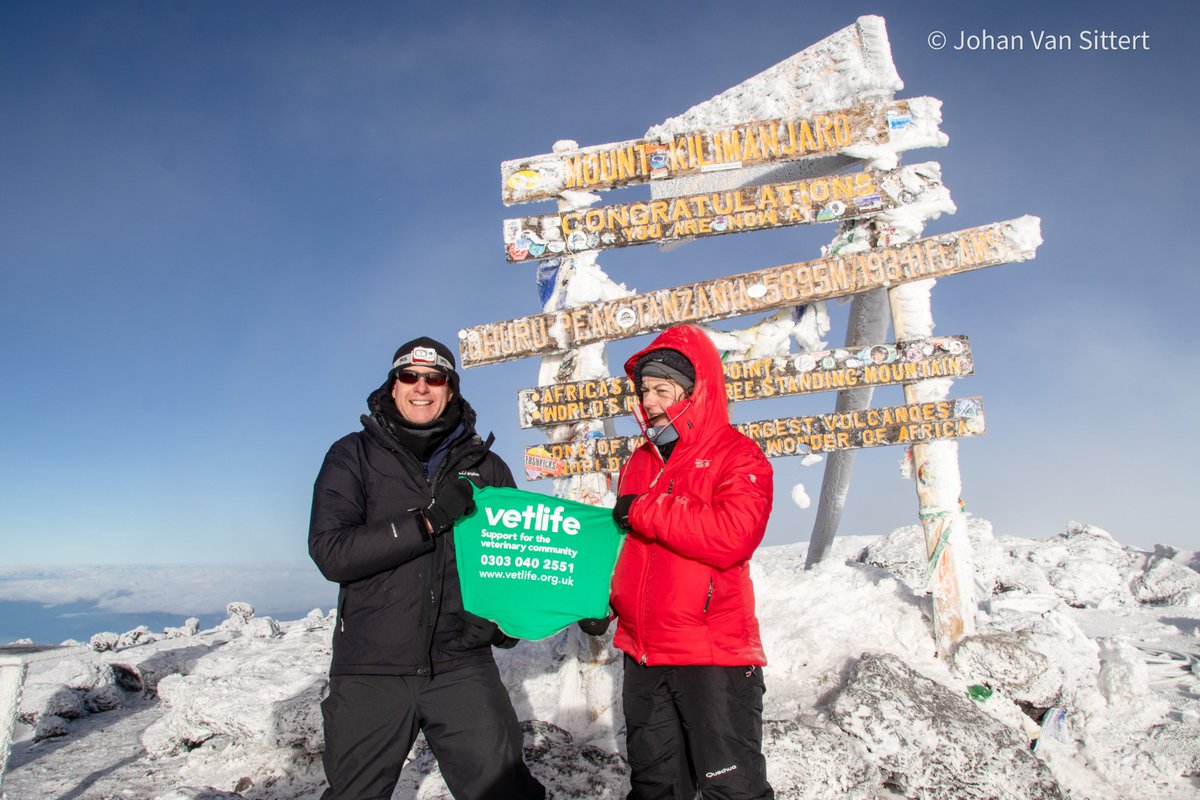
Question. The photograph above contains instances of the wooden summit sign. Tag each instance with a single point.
(764, 290)
(785, 436)
(905, 124)
(827, 198)
(759, 378)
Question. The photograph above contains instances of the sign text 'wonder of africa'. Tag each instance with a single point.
(786, 436)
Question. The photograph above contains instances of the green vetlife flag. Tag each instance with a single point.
(534, 564)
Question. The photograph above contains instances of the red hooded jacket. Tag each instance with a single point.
(682, 590)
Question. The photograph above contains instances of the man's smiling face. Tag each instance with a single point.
(419, 402)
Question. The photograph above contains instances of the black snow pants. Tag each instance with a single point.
(695, 728)
(466, 715)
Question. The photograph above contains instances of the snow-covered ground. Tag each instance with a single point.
(1085, 647)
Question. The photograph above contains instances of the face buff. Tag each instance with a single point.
(534, 564)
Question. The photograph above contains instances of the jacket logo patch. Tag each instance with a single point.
(701, 463)
(753, 478)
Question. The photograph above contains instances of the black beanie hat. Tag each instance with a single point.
(425, 352)
(665, 363)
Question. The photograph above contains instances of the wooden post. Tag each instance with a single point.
(867, 323)
(939, 487)
(572, 366)
(579, 686)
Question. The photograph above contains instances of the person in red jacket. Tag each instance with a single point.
(694, 498)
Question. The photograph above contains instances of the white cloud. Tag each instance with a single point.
(170, 588)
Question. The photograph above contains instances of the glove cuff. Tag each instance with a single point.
(621, 510)
(436, 518)
(595, 627)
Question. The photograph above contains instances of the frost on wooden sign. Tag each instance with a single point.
(755, 379)
(903, 124)
(784, 436)
(751, 292)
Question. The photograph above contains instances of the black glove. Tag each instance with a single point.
(621, 511)
(594, 627)
(480, 632)
(453, 500)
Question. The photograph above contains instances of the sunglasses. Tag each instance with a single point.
(430, 378)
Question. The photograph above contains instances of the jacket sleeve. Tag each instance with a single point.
(721, 532)
(343, 544)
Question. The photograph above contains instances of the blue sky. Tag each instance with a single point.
(219, 219)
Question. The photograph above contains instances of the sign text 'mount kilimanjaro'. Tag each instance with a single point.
(826, 198)
(785, 436)
(759, 378)
(904, 124)
(764, 290)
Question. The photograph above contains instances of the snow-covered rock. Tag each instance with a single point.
(247, 718)
(1044, 626)
(103, 697)
(50, 726)
(263, 628)
(75, 668)
(315, 620)
(139, 635)
(1007, 663)
(903, 553)
(1164, 582)
(1085, 567)
(824, 618)
(102, 642)
(932, 742)
(805, 762)
(189, 628)
(40, 700)
(141, 669)
(240, 615)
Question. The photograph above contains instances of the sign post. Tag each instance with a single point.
(868, 322)
(770, 152)
(577, 362)
(939, 485)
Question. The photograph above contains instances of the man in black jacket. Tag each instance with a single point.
(406, 655)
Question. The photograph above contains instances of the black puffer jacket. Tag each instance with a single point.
(400, 598)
